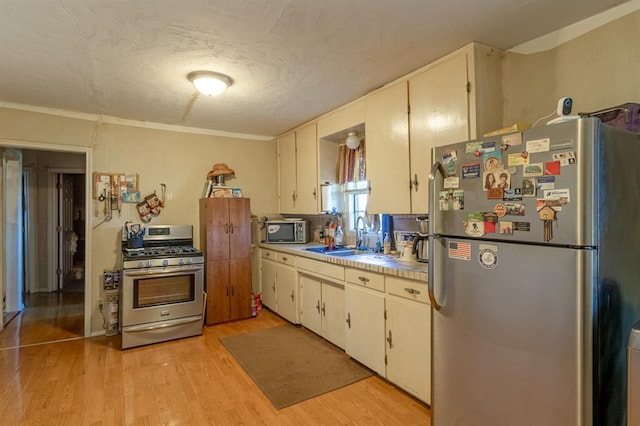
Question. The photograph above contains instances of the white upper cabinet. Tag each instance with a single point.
(454, 99)
(387, 150)
(298, 171)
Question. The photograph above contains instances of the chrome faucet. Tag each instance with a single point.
(360, 231)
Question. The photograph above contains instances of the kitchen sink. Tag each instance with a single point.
(336, 251)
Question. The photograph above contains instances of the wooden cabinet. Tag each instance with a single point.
(298, 171)
(408, 337)
(225, 238)
(322, 308)
(457, 98)
(268, 270)
(387, 145)
(364, 311)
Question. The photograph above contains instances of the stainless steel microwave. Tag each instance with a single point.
(287, 231)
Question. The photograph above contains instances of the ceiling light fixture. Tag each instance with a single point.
(209, 83)
(353, 140)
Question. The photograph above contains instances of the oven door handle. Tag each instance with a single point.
(161, 271)
(167, 324)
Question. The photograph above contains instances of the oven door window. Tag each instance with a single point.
(156, 291)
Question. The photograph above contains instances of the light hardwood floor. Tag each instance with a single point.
(192, 381)
(47, 317)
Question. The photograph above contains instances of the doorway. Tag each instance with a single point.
(56, 260)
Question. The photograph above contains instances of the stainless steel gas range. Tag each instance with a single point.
(162, 287)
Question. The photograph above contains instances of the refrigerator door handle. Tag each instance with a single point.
(437, 168)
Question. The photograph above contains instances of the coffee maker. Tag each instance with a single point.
(420, 241)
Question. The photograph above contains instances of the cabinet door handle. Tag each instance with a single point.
(292, 295)
(273, 288)
(369, 187)
(226, 228)
(324, 311)
(415, 182)
(364, 279)
(390, 340)
(317, 306)
(315, 196)
(231, 228)
(412, 291)
(233, 292)
(293, 196)
(349, 319)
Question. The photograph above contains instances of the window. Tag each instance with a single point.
(356, 195)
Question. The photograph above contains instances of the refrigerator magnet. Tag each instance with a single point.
(532, 170)
(474, 148)
(552, 168)
(451, 182)
(488, 256)
(506, 228)
(538, 145)
(474, 228)
(459, 250)
(517, 159)
(500, 210)
(565, 158)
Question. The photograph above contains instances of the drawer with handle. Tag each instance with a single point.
(407, 289)
(268, 254)
(285, 258)
(367, 279)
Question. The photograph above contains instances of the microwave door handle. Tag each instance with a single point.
(433, 213)
(295, 232)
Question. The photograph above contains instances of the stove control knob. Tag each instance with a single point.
(190, 261)
(141, 264)
(149, 263)
(165, 262)
(181, 262)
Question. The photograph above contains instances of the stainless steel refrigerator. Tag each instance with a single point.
(534, 275)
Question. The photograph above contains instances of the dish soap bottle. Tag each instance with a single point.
(386, 244)
(337, 236)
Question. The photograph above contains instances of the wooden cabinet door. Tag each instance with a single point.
(287, 292)
(364, 311)
(307, 170)
(240, 288)
(214, 224)
(268, 297)
(333, 319)
(239, 227)
(287, 172)
(409, 346)
(439, 116)
(217, 288)
(311, 303)
(387, 145)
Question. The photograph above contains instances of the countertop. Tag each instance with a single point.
(388, 264)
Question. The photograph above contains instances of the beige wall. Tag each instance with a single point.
(180, 160)
(598, 70)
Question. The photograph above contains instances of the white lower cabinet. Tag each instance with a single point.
(280, 284)
(287, 292)
(322, 308)
(364, 311)
(268, 271)
(408, 337)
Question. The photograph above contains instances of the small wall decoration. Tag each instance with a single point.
(151, 205)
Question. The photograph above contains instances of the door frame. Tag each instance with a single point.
(88, 163)
(30, 230)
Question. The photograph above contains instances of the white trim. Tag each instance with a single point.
(563, 35)
(30, 231)
(52, 220)
(132, 123)
(88, 156)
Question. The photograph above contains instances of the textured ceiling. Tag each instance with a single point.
(291, 60)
